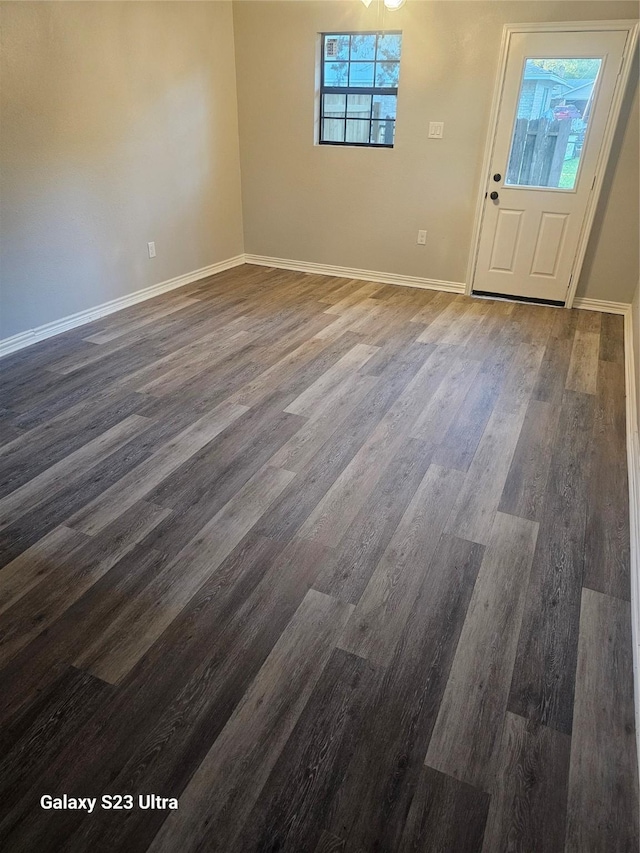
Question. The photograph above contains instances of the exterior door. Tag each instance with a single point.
(556, 96)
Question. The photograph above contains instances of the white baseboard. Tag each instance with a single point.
(32, 336)
(633, 465)
(409, 281)
(352, 272)
(48, 330)
(601, 305)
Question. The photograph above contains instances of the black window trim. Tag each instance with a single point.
(354, 90)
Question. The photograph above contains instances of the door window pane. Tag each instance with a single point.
(554, 109)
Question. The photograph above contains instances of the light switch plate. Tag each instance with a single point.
(436, 129)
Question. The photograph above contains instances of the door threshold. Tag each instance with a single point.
(556, 303)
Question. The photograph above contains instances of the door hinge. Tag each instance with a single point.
(593, 183)
(624, 56)
(570, 280)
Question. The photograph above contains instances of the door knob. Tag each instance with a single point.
(494, 195)
(497, 176)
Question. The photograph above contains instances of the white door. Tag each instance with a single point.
(556, 96)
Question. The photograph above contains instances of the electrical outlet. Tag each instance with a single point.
(422, 238)
(152, 249)
(436, 129)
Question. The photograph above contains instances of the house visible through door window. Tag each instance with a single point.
(359, 88)
(554, 108)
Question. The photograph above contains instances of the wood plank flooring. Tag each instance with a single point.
(340, 566)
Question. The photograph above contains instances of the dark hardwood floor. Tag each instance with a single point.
(340, 566)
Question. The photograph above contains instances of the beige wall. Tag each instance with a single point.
(362, 208)
(611, 265)
(119, 126)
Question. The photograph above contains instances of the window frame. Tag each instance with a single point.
(355, 90)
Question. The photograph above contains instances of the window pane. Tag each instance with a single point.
(383, 132)
(336, 47)
(384, 106)
(333, 130)
(387, 74)
(363, 46)
(336, 73)
(358, 131)
(389, 46)
(360, 74)
(334, 105)
(554, 108)
(358, 106)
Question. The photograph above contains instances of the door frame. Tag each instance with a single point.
(508, 30)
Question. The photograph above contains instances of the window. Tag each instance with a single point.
(554, 109)
(359, 88)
